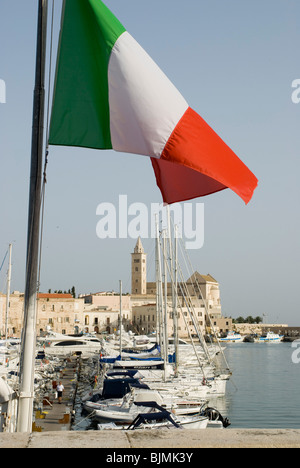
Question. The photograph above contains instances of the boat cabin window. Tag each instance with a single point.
(70, 343)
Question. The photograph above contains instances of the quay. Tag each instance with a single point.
(291, 334)
(111, 441)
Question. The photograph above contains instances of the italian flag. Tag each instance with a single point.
(109, 94)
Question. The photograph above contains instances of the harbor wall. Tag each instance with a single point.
(156, 440)
(259, 328)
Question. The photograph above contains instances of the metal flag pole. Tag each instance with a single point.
(26, 395)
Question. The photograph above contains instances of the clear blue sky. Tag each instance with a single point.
(234, 62)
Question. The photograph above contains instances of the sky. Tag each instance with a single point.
(234, 62)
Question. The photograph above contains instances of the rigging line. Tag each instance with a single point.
(3, 260)
(46, 151)
(187, 259)
(191, 272)
(192, 275)
(41, 237)
(182, 312)
(50, 74)
(187, 293)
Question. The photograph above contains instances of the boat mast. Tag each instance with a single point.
(121, 319)
(159, 292)
(26, 395)
(165, 302)
(175, 311)
(8, 292)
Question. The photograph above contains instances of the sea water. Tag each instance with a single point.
(264, 391)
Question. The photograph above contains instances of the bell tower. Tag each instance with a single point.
(138, 269)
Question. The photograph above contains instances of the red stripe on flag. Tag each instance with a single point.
(179, 183)
(212, 165)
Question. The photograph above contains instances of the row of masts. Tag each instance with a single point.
(164, 245)
(168, 267)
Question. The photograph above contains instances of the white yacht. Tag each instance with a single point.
(61, 345)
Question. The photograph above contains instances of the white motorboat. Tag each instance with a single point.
(65, 345)
(270, 337)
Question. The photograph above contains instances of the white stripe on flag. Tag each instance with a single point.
(145, 106)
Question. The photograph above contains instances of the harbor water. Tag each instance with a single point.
(264, 391)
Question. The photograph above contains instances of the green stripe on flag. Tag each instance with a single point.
(80, 113)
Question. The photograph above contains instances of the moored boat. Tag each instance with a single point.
(157, 417)
(232, 337)
(270, 337)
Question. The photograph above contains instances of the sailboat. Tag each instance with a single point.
(157, 417)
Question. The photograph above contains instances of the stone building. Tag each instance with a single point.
(101, 312)
(15, 315)
(144, 320)
(60, 312)
(202, 293)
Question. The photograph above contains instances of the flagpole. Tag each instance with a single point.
(26, 395)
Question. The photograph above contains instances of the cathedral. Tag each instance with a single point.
(203, 296)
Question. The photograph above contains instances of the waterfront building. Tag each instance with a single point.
(144, 320)
(61, 313)
(202, 293)
(15, 316)
(101, 312)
